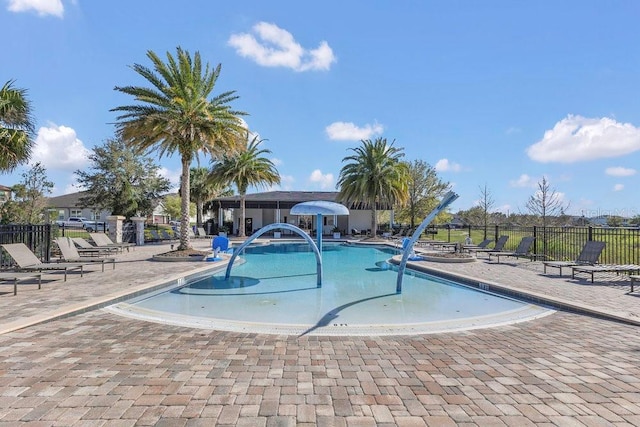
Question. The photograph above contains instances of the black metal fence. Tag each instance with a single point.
(557, 243)
(37, 237)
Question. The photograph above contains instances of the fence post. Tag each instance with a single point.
(590, 233)
(535, 239)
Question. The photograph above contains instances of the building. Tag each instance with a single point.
(266, 208)
(69, 205)
(5, 194)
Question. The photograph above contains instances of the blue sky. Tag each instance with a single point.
(496, 93)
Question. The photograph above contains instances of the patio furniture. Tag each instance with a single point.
(85, 247)
(588, 256)
(102, 239)
(631, 269)
(634, 278)
(70, 253)
(502, 240)
(15, 277)
(26, 260)
(522, 251)
(481, 245)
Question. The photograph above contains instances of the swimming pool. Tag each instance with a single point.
(275, 291)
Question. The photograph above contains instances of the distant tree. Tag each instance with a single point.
(424, 191)
(244, 169)
(203, 190)
(171, 206)
(30, 198)
(635, 220)
(614, 221)
(122, 181)
(175, 116)
(546, 202)
(485, 204)
(374, 176)
(16, 127)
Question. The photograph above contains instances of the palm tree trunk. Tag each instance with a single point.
(374, 221)
(184, 207)
(241, 230)
(199, 209)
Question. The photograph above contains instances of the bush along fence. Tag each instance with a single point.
(555, 243)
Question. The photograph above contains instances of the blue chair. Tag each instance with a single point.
(221, 243)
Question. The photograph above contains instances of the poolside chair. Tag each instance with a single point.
(70, 253)
(26, 260)
(166, 236)
(631, 269)
(522, 251)
(202, 233)
(85, 248)
(588, 256)
(102, 239)
(15, 277)
(502, 240)
(481, 245)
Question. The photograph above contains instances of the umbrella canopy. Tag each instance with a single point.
(319, 207)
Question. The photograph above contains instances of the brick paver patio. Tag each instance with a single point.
(92, 368)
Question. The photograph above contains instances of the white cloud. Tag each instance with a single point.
(173, 176)
(58, 148)
(325, 181)
(505, 209)
(276, 161)
(286, 182)
(41, 7)
(444, 165)
(524, 180)
(343, 131)
(577, 138)
(620, 171)
(618, 187)
(276, 47)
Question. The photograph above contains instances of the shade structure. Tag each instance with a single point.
(319, 208)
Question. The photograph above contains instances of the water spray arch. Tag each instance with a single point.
(283, 226)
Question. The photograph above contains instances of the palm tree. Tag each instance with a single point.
(375, 176)
(16, 127)
(175, 116)
(244, 169)
(203, 189)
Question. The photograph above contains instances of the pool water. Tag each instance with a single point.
(275, 291)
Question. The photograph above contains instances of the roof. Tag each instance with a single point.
(281, 200)
(276, 199)
(71, 200)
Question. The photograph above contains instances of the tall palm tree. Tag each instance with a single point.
(374, 176)
(16, 127)
(176, 116)
(244, 169)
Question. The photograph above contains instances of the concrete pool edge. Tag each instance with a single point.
(525, 295)
(109, 299)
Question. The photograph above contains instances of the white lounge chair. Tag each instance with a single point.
(26, 260)
(70, 253)
(15, 277)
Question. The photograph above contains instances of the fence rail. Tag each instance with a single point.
(556, 243)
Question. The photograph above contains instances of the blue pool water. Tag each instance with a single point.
(275, 291)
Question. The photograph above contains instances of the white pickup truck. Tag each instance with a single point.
(81, 222)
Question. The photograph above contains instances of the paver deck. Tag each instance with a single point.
(89, 367)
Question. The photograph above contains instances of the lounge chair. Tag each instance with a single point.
(631, 269)
(165, 235)
(71, 254)
(102, 239)
(502, 240)
(26, 260)
(85, 247)
(202, 233)
(588, 256)
(15, 277)
(481, 245)
(522, 251)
